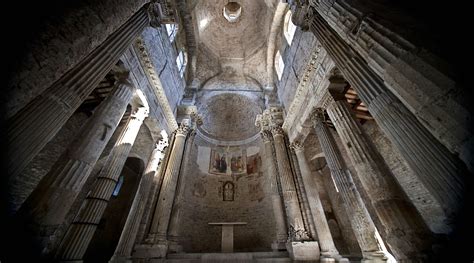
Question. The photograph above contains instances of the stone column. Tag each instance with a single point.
(38, 122)
(81, 231)
(158, 234)
(441, 172)
(302, 196)
(362, 224)
(329, 251)
(272, 185)
(174, 227)
(401, 226)
(293, 212)
(127, 238)
(46, 208)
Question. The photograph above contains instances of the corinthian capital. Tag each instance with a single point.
(317, 116)
(183, 129)
(161, 12)
(296, 146)
(277, 130)
(266, 136)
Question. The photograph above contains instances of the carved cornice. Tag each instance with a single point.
(154, 80)
(303, 89)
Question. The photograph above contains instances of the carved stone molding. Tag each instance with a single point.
(154, 80)
(266, 136)
(297, 146)
(303, 88)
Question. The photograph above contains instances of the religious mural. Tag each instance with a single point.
(227, 160)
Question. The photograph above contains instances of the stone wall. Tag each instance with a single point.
(296, 57)
(204, 203)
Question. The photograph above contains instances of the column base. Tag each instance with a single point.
(376, 257)
(332, 256)
(278, 245)
(120, 259)
(303, 250)
(145, 251)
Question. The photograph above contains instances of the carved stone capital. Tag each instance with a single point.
(183, 129)
(297, 146)
(266, 136)
(277, 130)
(161, 12)
(317, 115)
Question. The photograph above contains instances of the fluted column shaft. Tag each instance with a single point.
(272, 186)
(303, 197)
(401, 226)
(130, 230)
(162, 215)
(328, 248)
(81, 231)
(46, 208)
(38, 122)
(174, 227)
(361, 222)
(441, 172)
(292, 208)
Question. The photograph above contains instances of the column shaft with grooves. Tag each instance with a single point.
(292, 207)
(130, 230)
(328, 248)
(50, 202)
(162, 215)
(401, 226)
(174, 228)
(441, 172)
(38, 122)
(302, 197)
(361, 222)
(81, 231)
(272, 186)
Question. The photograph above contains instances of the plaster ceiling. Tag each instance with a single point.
(229, 116)
(233, 40)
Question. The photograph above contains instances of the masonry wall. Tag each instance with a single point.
(204, 203)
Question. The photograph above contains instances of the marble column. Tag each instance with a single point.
(272, 186)
(175, 226)
(329, 251)
(158, 234)
(38, 122)
(402, 227)
(443, 174)
(46, 208)
(362, 224)
(302, 196)
(81, 231)
(127, 238)
(288, 188)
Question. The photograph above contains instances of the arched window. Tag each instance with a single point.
(172, 30)
(228, 191)
(279, 65)
(181, 62)
(118, 186)
(289, 28)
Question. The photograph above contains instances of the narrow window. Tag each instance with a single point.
(279, 65)
(172, 30)
(181, 62)
(118, 186)
(289, 29)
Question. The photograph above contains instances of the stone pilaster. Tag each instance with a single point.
(46, 208)
(127, 238)
(362, 224)
(401, 226)
(442, 173)
(328, 248)
(288, 188)
(81, 231)
(272, 186)
(158, 234)
(38, 122)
